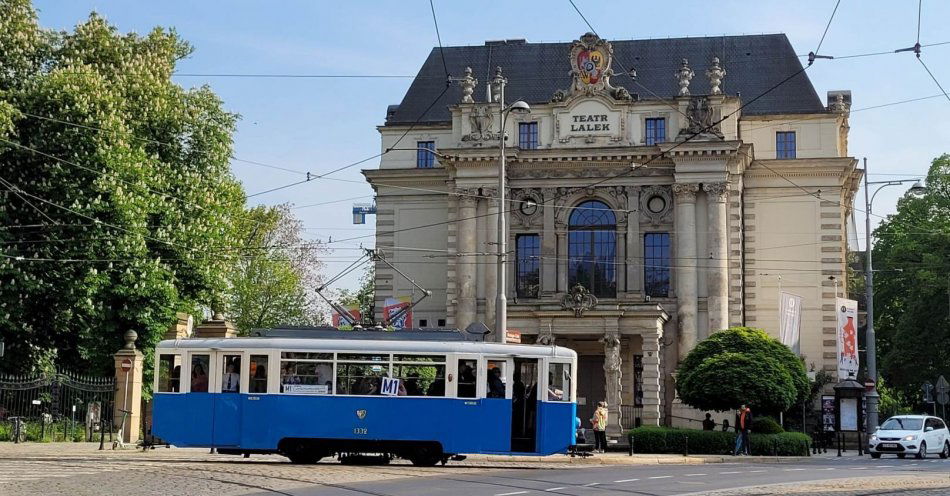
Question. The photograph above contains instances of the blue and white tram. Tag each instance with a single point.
(308, 398)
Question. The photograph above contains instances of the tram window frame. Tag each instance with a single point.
(258, 360)
(205, 358)
(228, 359)
(343, 366)
(438, 362)
(169, 385)
(473, 361)
(566, 389)
(317, 359)
(505, 372)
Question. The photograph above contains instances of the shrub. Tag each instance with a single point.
(665, 440)
(766, 425)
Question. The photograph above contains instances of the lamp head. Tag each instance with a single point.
(917, 189)
(519, 107)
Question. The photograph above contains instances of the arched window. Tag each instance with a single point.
(592, 248)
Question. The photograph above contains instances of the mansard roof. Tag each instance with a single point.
(754, 63)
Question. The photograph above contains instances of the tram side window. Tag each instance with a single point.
(169, 373)
(420, 375)
(230, 373)
(364, 379)
(559, 382)
(258, 374)
(467, 378)
(306, 373)
(496, 379)
(199, 373)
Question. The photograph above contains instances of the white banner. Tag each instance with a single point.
(790, 320)
(847, 311)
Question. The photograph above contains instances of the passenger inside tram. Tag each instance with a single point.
(496, 387)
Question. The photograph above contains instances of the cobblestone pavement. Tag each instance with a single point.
(917, 485)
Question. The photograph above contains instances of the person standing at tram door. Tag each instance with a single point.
(231, 381)
(496, 387)
(599, 421)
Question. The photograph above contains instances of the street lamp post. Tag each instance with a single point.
(501, 301)
(869, 291)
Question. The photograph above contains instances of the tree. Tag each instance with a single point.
(364, 296)
(275, 280)
(116, 198)
(742, 365)
(912, 286)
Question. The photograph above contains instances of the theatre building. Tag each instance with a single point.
(659, 190)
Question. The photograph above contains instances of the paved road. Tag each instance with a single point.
(657, 480)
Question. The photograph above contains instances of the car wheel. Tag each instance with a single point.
(901, 455)
(946, 450)
(922, 452)
(875, 455)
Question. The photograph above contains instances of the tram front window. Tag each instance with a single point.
(230, 373)
(169, 373)
(467, 378)
(559, 382)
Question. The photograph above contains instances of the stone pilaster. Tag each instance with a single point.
(652, 408)
(717, 278)
(490, 226)
(685, 263)
(548, 244)
(562, 255)
(634, 257)
(466, 234)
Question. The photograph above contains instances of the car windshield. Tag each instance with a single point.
(902, 424)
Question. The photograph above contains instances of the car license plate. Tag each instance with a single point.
(888, 445)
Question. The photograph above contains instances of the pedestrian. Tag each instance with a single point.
(709, 424)
(599, 421)
(725, 425)
(743, 428)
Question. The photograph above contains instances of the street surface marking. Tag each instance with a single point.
(860, 468)
(661, 477)
(883, 466)
(829, 468)
(757, 471)
(729, 473)
(626, 480)
(694, 475)
(794, 469)
(512, 494)
(555, 488)
(592, 484)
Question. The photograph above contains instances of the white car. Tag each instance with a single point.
(918, 435)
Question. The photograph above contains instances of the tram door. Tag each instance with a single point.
(524, 405)
(230, 368)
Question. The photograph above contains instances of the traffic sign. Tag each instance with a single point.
(943, 398)
(928, 389)
(942, 385)
(126, 365)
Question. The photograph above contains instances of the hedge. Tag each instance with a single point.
(674, 441)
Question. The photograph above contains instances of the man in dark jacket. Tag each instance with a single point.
(743, 428)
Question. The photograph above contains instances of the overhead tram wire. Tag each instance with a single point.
(438, 36)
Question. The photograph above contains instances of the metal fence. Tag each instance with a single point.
(70, 399)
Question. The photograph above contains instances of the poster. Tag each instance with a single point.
(847, 312)
(393, 305)
(828, 413)
(352, 310)
(849, 414)
(790, 318)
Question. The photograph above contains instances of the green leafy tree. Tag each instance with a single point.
(364, 296)
(742, 365)
(912, 287)
(274, 282)
(117, 204)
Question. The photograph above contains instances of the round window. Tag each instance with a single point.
(529, 206)
(656, 204)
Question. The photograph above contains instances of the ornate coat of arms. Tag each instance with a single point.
(590, 60)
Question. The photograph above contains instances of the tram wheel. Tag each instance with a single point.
(304, 457)
(426, 457)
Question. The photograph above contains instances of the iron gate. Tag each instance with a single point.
(70, 399)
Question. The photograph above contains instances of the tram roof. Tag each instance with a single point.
(367, 345)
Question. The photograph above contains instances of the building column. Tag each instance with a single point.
(548, 244)
(685, 263)
(562, 259)
(651, 378)
(717, 280)
(612, 376)
(465, 268)
(634, 258)
(491, 246)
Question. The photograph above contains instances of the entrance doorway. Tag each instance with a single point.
(591, 386)
(524, 405)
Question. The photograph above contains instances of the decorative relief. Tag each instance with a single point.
(685, 192)
(591, 57)
(481, 119)
(525, 206)
(545, 336)
(579, 300)
(715, 75)
(467, 197)
(468, 84)
(496, 83)
(656, 204)
(716, 191)
(683, 76)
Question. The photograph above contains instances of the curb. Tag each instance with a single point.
(644, 459)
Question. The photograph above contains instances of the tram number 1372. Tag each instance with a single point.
(360, 431)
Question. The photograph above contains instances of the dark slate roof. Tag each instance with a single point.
(754, 63)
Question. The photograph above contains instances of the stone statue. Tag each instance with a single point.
(700, 115)
(481, 119)
(684, 75)
(578, 299)
(715, 75)
(468, 84)
(612, 376)
(496, 84)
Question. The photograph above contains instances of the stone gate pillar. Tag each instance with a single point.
(128, 395)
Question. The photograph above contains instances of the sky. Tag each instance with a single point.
(320, 124)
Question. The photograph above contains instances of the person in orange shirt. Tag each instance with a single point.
(743, 428)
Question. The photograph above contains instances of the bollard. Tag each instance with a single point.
(102, 430)
(630, 441)
(686, 445)
(42, 427)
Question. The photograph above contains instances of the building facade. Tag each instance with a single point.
(647, 208)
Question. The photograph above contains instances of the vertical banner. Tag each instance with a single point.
(352, 310)
(393, 305)
(847, 311)
(790, 320)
